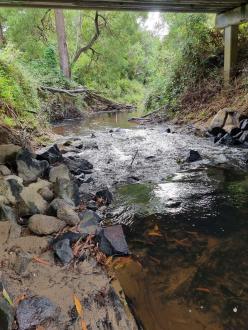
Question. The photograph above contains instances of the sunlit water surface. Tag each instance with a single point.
(186, 224)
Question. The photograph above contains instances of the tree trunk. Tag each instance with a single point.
(62, 44)
(2, 37)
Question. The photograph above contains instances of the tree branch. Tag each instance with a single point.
(92, 40)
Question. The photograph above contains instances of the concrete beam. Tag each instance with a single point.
(231, 51)
(232, 17)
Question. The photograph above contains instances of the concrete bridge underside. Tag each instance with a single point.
(230, 13)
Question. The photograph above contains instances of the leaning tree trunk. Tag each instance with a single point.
(62, 44)
(2, 38)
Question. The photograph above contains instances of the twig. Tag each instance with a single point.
(134, 157)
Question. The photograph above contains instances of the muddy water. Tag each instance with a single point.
(186, 224)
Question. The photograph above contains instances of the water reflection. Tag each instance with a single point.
(191, 268)
(94, 121)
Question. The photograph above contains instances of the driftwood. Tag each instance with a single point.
(92, 98)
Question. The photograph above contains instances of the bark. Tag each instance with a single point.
(2, 37)
(62, 43)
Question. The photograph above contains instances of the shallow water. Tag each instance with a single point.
(186, 224)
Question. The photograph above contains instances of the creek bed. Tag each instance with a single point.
(186, 224)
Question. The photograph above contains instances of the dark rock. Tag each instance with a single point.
(168, 130)
(36, 311)
(8, 153)
(71, 236)
(63, 251)
(244, 137)
(234, 131)
(78, 166)
(67, 190)
(228, 140)
(244, 124)
(52, 154)
(6, 314)
(215, 131)
(193, 156)
(113, 238)
(80, 178)
(218, 137)
(105, 196)
(29, 169)
(132, 179)
(45, 225)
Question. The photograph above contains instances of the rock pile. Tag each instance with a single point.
(40, 200)
(229, 128)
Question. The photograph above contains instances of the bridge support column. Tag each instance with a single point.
(231, 51)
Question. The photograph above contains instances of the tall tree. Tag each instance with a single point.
(62, 43)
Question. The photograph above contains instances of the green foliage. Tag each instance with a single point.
(181, 60)
(18, 92)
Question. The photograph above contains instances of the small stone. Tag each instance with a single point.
(63, 251)
(45, 225)
(89, 215)
(193, 156)
(55, 205)
(36, 311)
(4, 231)
(22, 261)
(89, 223)
(244, 124)
(4, 170)
(68, 215)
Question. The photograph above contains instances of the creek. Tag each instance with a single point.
(186, 223)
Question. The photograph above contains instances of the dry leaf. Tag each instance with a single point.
(19, 299)
(83, 324)
(78, 305)
(40, 327)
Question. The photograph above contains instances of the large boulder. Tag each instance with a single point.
(59, 172)
(67, 190)
(45, 225)
(31, 202)
(232, 122)
(52, 154)
(8, 153)
(29, 168)
(218, 121)
(36, 311)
